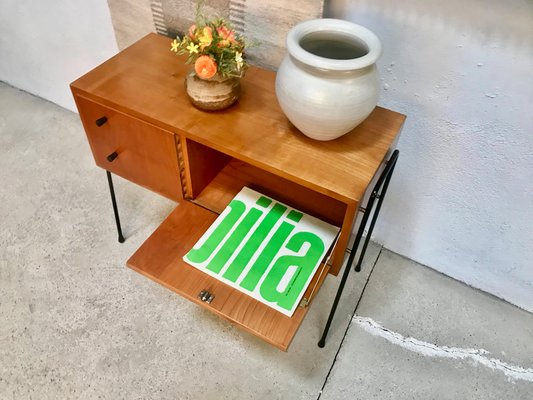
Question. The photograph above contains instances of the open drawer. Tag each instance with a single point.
(160, 259)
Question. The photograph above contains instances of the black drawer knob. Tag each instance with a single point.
(101, 121)
(112, 156)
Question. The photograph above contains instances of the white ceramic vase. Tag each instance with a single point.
(328, 83)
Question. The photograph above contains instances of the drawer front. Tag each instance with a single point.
(131, 148)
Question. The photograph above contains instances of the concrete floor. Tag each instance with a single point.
(75, 323)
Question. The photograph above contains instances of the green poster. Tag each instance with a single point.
(264, 248)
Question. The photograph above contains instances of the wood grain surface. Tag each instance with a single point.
(146, 154)
(146, 80)
(160, 259)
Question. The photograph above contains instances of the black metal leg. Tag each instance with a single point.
(383, 182)
(357, 240)
(115, 208)
(380, 198)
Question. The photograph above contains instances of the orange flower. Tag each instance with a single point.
(223, 43)
(192, 30)
(205, 67)
(226, 34)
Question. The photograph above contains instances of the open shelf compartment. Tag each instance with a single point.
(212, 179)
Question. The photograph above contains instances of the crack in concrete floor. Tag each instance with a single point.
(432, 350)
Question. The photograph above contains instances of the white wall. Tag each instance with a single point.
(45, 45)
(461, 200)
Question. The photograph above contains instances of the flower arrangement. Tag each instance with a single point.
(213, 47)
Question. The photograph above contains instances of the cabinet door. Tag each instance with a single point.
(131, 148)
(161, 258)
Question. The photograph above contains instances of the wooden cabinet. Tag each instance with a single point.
(203, 159)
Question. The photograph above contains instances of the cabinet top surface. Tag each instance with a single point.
(146, 80)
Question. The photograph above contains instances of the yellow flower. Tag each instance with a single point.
(239, 60)
(193, 48)
(174, 46)
(206, 37)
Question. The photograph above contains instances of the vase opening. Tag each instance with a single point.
(333, 45)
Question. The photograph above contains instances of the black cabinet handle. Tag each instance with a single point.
(101, 121)
(112, 156)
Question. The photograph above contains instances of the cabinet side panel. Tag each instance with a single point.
(202, 165)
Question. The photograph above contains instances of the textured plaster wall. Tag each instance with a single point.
(45, 45)
(461, 200)
(132, 20)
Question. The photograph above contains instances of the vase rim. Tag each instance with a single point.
(334, 26)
